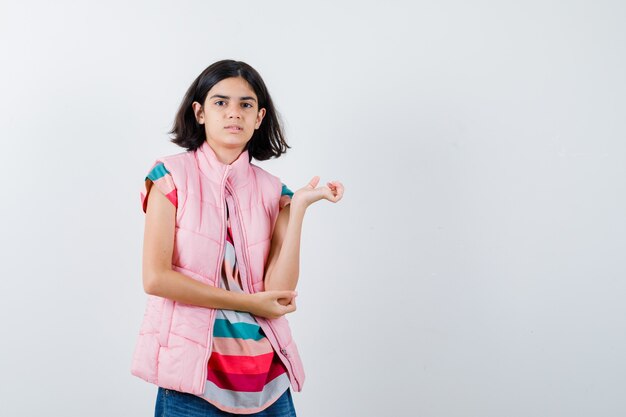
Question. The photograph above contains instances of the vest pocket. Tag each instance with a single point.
(166, 321)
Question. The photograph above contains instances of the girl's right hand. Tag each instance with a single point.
(266, 303)
(310, 193)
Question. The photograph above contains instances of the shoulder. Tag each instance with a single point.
(282, 191)
(157, 171)
(174, 166)
(163, 174)
(176, 160)
(286, 191)
(285, 197)
(264, 177)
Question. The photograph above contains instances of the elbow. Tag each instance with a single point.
(150, 283)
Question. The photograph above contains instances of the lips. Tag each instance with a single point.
(233, 128)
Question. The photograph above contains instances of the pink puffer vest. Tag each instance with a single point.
(175, 339)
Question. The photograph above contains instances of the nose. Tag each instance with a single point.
(234, 110)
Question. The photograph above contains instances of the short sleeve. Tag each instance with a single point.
(285, 197)
(163, 180)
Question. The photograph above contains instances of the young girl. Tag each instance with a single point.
(221, 256)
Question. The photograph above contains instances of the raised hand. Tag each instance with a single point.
(310, 193)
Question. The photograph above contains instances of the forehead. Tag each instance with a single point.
(233, 87)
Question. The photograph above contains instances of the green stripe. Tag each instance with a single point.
(223, 328)
(157, 172)
(286, 191)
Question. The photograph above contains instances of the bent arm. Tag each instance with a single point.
(283, 267)
(158, 276)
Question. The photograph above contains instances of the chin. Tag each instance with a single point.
(234, 145)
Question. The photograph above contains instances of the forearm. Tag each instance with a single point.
(179, 287)
(284, 273)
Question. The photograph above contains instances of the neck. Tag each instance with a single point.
(226, 155)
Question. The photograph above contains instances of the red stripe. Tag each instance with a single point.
(246, 383)
(277, 368)
(229, 235)
(237, 382)
(235, 364)
(173, 197)
(242, 383)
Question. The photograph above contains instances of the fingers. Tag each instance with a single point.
(283, 297)
(314, 181)
(331, 191)
(334, 191)
(290, 308)
(337, 188)
(286, 293)
(286, 305)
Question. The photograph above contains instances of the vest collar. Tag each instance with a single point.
(236, 173)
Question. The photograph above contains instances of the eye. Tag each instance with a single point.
(248, 104)
(219, 101)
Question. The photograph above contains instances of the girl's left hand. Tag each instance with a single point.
(310, 193)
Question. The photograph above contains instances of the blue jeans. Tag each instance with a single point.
(171, 403)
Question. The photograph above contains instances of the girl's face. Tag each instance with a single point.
(230, 113)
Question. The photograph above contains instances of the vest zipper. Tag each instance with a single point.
(218, 276)
(244, 245)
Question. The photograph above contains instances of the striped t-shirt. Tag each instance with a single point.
(244, 373)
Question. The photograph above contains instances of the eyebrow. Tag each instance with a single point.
(227, 97)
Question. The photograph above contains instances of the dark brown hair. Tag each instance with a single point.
(267, 141)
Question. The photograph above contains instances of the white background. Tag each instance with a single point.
(475, 266)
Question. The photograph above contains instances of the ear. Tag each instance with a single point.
(197, 111)
(259, 118)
